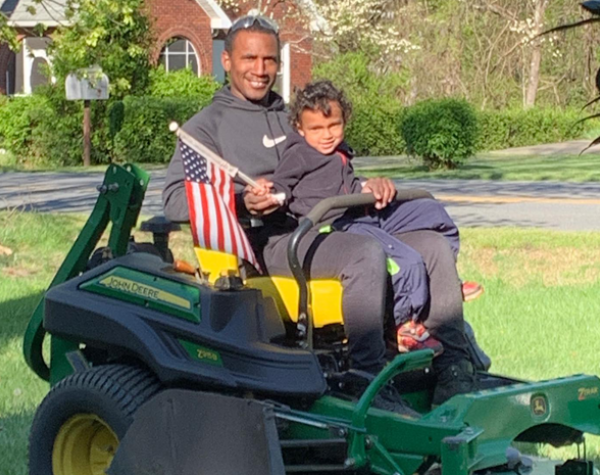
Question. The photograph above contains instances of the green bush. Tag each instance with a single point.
(44, 128)
(16, 122)
(377, 114)
(144, 134)
(182, 83)
(139, 126)
(442, 132)
(517, 127)
(373, 128)
(57, 130)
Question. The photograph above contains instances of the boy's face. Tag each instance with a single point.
(322, 133)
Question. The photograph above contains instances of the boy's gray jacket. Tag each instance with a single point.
(248, 135)
(306, 176)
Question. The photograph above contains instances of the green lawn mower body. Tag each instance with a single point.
(160, 372)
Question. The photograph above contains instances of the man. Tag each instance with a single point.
(247, 125)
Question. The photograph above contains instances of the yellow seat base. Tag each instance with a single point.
(325, 294)
(325, 298)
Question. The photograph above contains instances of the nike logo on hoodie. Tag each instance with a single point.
(270, 143)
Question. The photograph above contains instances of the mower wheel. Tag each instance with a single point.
(78, 426)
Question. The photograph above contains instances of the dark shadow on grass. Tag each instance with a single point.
(14, 434)
(15, 315)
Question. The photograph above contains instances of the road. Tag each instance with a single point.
(473, 203)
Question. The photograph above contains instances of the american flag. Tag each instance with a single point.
(213, 219)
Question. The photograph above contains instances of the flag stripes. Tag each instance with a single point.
(213, 218)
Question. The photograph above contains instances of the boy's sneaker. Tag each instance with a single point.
(471, 291)
(414, 336)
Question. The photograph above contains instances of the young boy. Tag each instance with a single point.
(316, 164)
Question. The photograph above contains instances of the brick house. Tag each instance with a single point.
(188, 33)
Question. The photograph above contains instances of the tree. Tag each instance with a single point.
(112, 34)
(593, 7)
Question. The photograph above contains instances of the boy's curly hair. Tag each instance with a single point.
(317, 96)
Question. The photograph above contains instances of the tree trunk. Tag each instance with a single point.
(87, 133)
(536, 55)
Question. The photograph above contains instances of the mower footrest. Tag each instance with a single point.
(307, 443)
(315, 468)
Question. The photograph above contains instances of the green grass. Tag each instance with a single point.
(537, 319)
(499, 167)
(9, 163)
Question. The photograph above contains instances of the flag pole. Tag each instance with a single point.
(210, 155)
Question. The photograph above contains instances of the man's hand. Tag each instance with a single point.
(259, 201)
(382, 188)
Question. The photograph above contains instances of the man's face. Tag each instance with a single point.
(320, 132)
(252, 64)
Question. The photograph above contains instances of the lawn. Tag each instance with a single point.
(577, 168)
(537, 319)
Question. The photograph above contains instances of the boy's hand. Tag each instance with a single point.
(382, 188)
(259, 201)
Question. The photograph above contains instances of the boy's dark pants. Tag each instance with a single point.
(423, 228)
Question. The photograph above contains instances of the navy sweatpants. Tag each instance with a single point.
(409, 274)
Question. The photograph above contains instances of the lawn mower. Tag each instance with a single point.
(156, 368)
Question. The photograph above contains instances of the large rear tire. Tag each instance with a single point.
(78, 426)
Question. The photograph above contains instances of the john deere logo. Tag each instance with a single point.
(539, 405)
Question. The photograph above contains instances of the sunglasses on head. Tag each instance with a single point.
(248, 21)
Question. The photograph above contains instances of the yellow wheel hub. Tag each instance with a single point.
(85, 445)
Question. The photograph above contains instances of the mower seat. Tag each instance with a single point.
(325, 294)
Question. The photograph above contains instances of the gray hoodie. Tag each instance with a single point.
(248, 135)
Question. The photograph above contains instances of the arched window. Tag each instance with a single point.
(179, 53)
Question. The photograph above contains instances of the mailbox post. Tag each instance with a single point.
(87, 85)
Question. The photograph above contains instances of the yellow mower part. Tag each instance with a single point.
(325, 294)
(325, 298)
(216, 263)
(84, 445)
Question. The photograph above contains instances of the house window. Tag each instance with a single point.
(179, 53)
(283, 82)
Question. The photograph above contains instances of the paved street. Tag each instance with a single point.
(552, 205)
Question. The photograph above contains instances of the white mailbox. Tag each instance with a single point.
(87, 85)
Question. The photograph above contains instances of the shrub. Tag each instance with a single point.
(377, 114)
(45, 128)
(442, 132)
(373, 129)
(518, 127)
(139, 126)
(144, 134)
(182, 83)
(16, 122)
